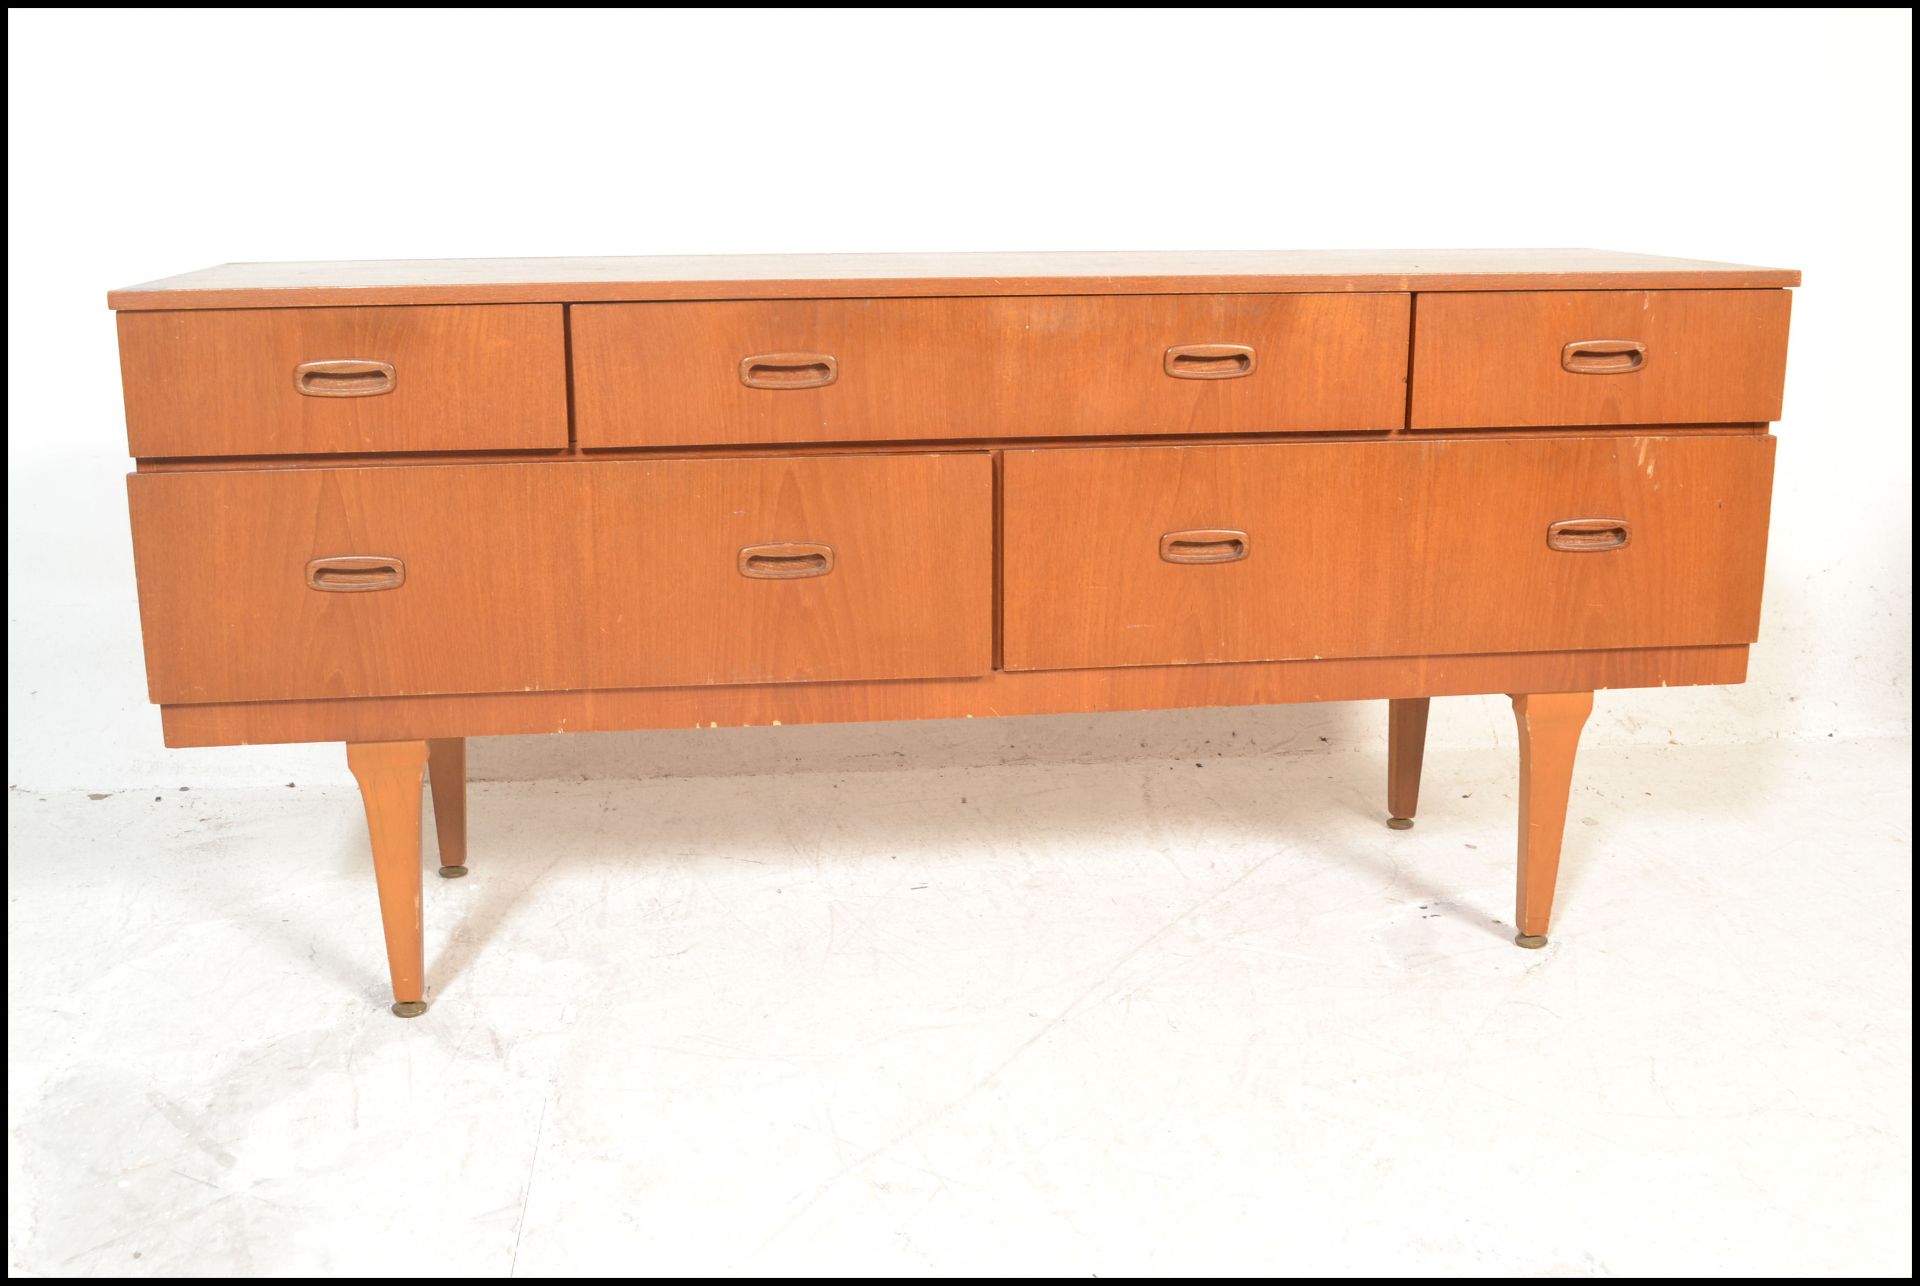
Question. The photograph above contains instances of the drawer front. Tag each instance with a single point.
(300, 381)
(296, 584)
(846, 370)
(1599, 357)
(1171, 555)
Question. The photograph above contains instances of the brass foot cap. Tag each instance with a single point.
(1400, 823)
(452, 872)
(409, 1008)
(1531, 941)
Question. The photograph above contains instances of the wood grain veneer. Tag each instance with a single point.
(562, 576)
(1706, 356)
(994, 695)
(499, 281)
(463, 379)
(1380, 549)
(654, 374)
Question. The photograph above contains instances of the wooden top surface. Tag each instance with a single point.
(505, 281)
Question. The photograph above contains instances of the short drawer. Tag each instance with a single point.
(314, 381)
(1576, 357)
(1172, 555)
(845, 370)
(389, 581)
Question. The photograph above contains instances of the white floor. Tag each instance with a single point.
(1132, 1017)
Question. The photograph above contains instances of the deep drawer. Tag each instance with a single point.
(1171, 555)
(294, 584)
(843, 370)
(300, 381)
(1599, 357)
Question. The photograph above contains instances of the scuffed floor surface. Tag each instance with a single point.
(1123, 1018)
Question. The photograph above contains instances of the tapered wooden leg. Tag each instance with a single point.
(389, 775)
(1550, 724)
(1406, 747)
(447, 773)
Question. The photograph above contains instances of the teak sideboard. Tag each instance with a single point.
(399, 504)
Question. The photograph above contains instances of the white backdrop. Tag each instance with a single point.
(145, 144)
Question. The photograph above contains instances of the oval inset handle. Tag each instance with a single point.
(1207, 546)
(347, 377)
(356, 574)
(1209, 361)
(1604, 356)
(789, 370)
(1589, 535)
(786, 561)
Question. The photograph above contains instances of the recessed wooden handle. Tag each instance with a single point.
(356, 574)
(786, 561)
(1209, 361)
(1207, 546)
(789, 370)
(347, 377)
(1589, 535)
(1604, 356)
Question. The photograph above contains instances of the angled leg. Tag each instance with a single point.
(389, 775)
(1406, 747)
(1550, 724)
(447, 774)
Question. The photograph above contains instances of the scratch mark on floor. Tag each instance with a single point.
(183, 1120)
(520, 1224)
